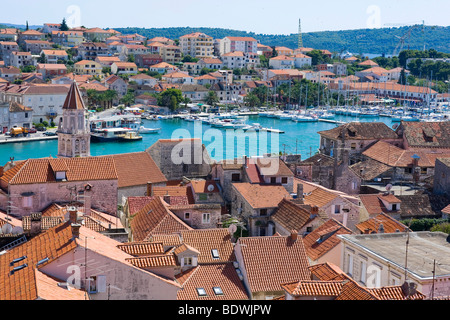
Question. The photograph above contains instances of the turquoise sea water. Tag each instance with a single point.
(298, 137)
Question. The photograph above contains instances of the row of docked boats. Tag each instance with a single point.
(119, 127)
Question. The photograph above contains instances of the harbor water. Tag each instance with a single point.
(298, 138)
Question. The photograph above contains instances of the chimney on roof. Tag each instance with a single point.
(166, 198)
(294, 235)
(149, 189)
(381, 228)
(87, 199)
(300, 192)
(75, 230)
(35, 223)
(73, 214)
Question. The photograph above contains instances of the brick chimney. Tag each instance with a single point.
(75, 230)
(166, 198)
(294, 235)
(36, 223)
(73, 214)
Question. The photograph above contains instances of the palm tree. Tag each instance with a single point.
(212, 99)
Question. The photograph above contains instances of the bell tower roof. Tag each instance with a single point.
(74, 101)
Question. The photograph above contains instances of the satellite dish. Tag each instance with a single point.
(7, 228)
(211, 188)
(388, 187)
(232, 228)
(395, 126)
(17, 230)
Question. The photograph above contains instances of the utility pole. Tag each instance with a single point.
(434, 278)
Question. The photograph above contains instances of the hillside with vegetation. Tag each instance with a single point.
(374, 41)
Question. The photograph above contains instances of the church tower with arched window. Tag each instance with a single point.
(73, 131)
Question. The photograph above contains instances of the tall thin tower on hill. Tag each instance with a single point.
(300, 37)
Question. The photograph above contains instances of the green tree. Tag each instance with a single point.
(251, 100)
(211, 98)
(27, 27)
(170, 98)
(64, 26)
(42, 58)
(402, 79)
(128, 99)
(28, 69)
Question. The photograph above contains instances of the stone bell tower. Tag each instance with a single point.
(73, 131)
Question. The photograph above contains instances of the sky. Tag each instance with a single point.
(259, 16)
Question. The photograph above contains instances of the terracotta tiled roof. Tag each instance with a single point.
(170, 191)
(353, 291)
(446, 210)
(327, 271)
(262, 196)
(22, 284)
(163, 260)
(314, 288)
(155, 218)
(395, 293)
(290, 215)
(368, 63)
(426, 134)
(48, 289)
(360, 131)
(203, 186)
(168, 240)
(395, 157)
(373, 204)
(142, 248)
(324, 239)
(319, 197)
(208, 277)
(46, 222)
(369, 169)
(137, 168)
(271, 261)
(372, 225)
(205, 240)
(135, 204)
(74, 100)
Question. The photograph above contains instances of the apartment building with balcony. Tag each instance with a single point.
(197, 45)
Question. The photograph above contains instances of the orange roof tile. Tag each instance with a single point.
(137, 168)
(324, 239)
(155, 218)
(290, 215)
(163, 260)
(205, 240)
(319, 197)
(390, 225)
(142, 248)
(208, 277)
(48, 289)
(314, 288)
(272, 261)
(395, 293)
(262, 196)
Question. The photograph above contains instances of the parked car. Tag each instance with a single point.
(50, 133)
(32, 130)
(41, 128)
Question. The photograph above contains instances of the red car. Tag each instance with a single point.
(32, 130)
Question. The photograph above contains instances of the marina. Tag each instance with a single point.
(294, 136)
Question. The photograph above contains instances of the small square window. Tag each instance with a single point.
(215, 253)
(201, 292)
(284, 180)
(187, 216)
(218, 291)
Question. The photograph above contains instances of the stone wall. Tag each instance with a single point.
(103, 195)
